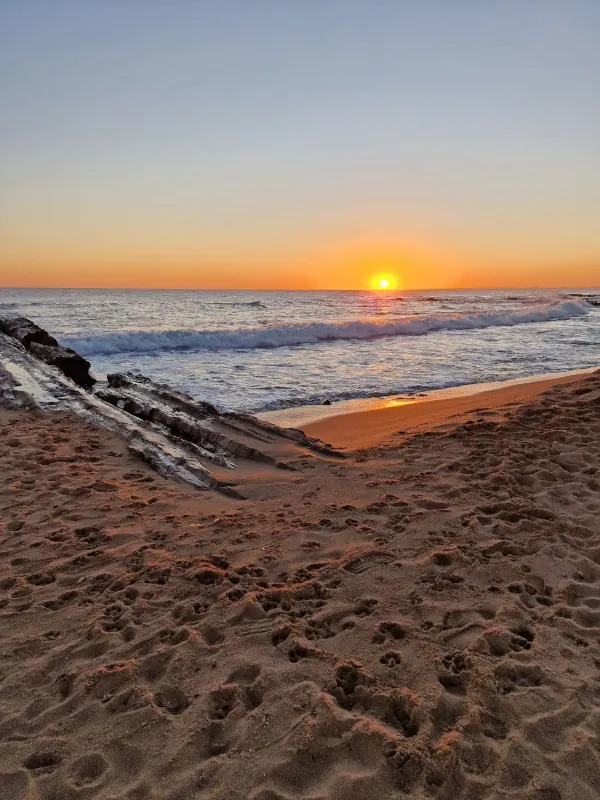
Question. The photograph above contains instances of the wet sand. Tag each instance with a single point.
(396, 417)
(420, 618)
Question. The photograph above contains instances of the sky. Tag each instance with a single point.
(273, 144)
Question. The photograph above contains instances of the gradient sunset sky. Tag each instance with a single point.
(299, 143)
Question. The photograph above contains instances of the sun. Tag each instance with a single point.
(383, 282)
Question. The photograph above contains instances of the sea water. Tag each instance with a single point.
(259, 351)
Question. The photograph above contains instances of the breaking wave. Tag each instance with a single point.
(311, 333)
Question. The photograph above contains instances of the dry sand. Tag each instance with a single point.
(422, 617)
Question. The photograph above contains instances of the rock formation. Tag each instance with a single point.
(177, 435)
(26, 331)
(45, 347)
(67, 361)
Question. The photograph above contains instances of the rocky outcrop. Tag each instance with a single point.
(219, 436)
(67, 361)
(45, 347)
(178, 436)
(26, 332)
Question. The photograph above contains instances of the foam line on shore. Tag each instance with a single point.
(300, 416)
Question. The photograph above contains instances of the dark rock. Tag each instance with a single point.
(26, 332)
(45, 347)
(326, 403)
(199, 422)
(67, 361)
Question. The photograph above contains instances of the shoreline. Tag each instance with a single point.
(380, 426)
(300, 416)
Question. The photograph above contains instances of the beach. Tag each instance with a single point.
(420, 617)
(300, 400)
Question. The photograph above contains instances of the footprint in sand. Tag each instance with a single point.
(89, 769)
(44, 760)
(499, 641)
(171, 699)
(390, 631)
(466, 625)
(328, 625)
(299, 650)
(512, 676)
(391, 658)
(454, 668)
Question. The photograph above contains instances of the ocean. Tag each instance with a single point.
(261, 351)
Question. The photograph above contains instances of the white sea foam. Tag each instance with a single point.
(312, 333)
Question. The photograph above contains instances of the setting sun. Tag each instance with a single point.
(384, 282)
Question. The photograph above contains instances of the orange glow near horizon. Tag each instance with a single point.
(372, 263)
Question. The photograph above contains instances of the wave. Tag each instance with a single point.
(22, 303)
(456, 299)
(308, 333)
(250, 304)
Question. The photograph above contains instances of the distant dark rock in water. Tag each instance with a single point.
(428, 299)
(45, 347)
(326, 403)
(26, 332)
(67, 361)
(592, 299)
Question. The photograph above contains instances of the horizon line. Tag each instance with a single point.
(246, 289)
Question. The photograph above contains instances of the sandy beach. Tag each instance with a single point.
(300, 400)
(420, 618)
